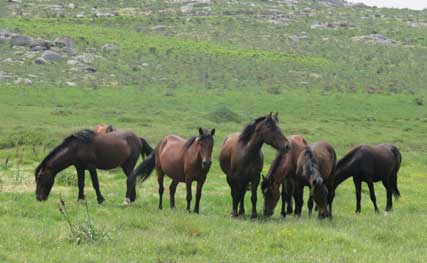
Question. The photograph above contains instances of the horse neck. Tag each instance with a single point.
(342, 173)
(254, 145)
(63, 159)
(282, 167)
(193, 152)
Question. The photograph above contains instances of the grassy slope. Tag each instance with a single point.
(173, 95)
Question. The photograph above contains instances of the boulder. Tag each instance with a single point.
(64, 42)
(51, 56)
(21, 40)
(109, 47)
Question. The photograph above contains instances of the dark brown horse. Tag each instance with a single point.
(371, 164)
(282, 169)
(241, 158)
(316, 169)
(182, 160)
(87, 150)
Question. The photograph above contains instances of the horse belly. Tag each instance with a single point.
(171, 163)
(111, 157)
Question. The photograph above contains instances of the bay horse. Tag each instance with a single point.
(282, 171)
(316, 169)
(104, 128)
(371, 164)
(87, 150)
(182, 160)
(241, 158)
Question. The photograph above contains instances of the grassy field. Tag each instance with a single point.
(217, 70)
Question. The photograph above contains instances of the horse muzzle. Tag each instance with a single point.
(206, 164)
(41, 197)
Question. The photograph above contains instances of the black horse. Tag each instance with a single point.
(371, 164)
(88, 150)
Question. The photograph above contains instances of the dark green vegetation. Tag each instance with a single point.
(218, 65)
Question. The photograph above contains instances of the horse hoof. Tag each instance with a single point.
(101, 200)
(254, 216)
(357, 212)
(126, 202)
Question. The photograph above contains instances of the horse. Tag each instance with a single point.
(281, 171)
(316, 169)
(104, 128)
(181, 160)
(241, 158)
(88, 150)
(371, 164)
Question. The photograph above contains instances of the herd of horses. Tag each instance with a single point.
(297, 164)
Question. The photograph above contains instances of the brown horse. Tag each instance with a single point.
(371, 164)
(104, 128)
(241, 158)
(87, 150)
(282, 169)
(181, 160)
(316, 169)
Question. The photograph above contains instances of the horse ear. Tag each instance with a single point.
(213, 132)
(200, 131)
(276, 116)
(269, 115)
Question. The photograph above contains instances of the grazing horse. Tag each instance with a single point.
(371, 164)
(104, 128)
(281, 172)
(316, 169)
(87, 150)
(181, 160)
(241, 158)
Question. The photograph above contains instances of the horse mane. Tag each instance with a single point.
(84, 136)
(189, 142)
(347, 157)
(276, 165)
(311, 162)
(249, 130)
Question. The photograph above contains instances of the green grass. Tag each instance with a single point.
(218, 70)
(142, 232)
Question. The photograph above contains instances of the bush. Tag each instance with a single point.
(224, 114)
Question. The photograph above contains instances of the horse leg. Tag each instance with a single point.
(389, 195)
(358, 186)
(254, 186)
(330, 201)
(172, 190)
(188, 186)
(131, 186)
(81, 182)
(372, 193)
(95, 184)
(299, 194)
(198, 195)
(160, 177)
(242, 199)
(284, 200)
(310, 205)
(234, 195)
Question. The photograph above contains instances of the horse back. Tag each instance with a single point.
(170, 156)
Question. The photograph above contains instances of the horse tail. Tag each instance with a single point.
(146, 148)
(144, 170)
(398, 157)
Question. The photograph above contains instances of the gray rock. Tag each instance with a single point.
(71, 6)
(86, 58)
(52, 56)
(42, 43)
(80, 15)
(73, 62)
(38, 48)
(64, 42)
(70, 83)
(5, 33)
(299, 37)
(159, 28)
(109, 47)
(5, 76)
(28, 81)
(104, 14)
(376, 38)
(419, 101)
(40, 61)
(3, 39)
(69, 51)
(20, 40)
(88, 69)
